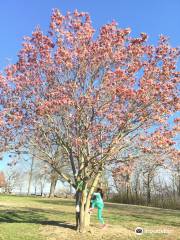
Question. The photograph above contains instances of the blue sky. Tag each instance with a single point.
(19, 17)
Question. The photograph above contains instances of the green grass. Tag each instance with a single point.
(34, 218)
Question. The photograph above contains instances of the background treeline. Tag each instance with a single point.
(148, 184)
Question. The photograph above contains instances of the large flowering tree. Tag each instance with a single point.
(5, 108)
(81, 98)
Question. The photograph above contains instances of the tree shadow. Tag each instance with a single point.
(22, 216)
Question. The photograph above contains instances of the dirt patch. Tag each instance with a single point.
(95, 233)
(112, 232)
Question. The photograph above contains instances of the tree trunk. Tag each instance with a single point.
(148, 191)
(70, 190)
(29, 183)
(83, 217)
(35, 188)
(178, 186)
(173, 188)
(30, 176)
(82, 208)
(137, 188)
(148, 196)
(52, 187)
(42, 188)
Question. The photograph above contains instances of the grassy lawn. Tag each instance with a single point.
(33, 218)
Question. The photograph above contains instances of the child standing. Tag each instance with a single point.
(97, 202)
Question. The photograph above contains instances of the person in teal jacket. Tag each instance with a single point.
(97, 202)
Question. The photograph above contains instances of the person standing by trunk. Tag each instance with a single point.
(78, 197)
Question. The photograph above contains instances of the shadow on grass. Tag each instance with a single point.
(20, 216)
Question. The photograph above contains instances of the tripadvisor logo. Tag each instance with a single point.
(139, 231)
